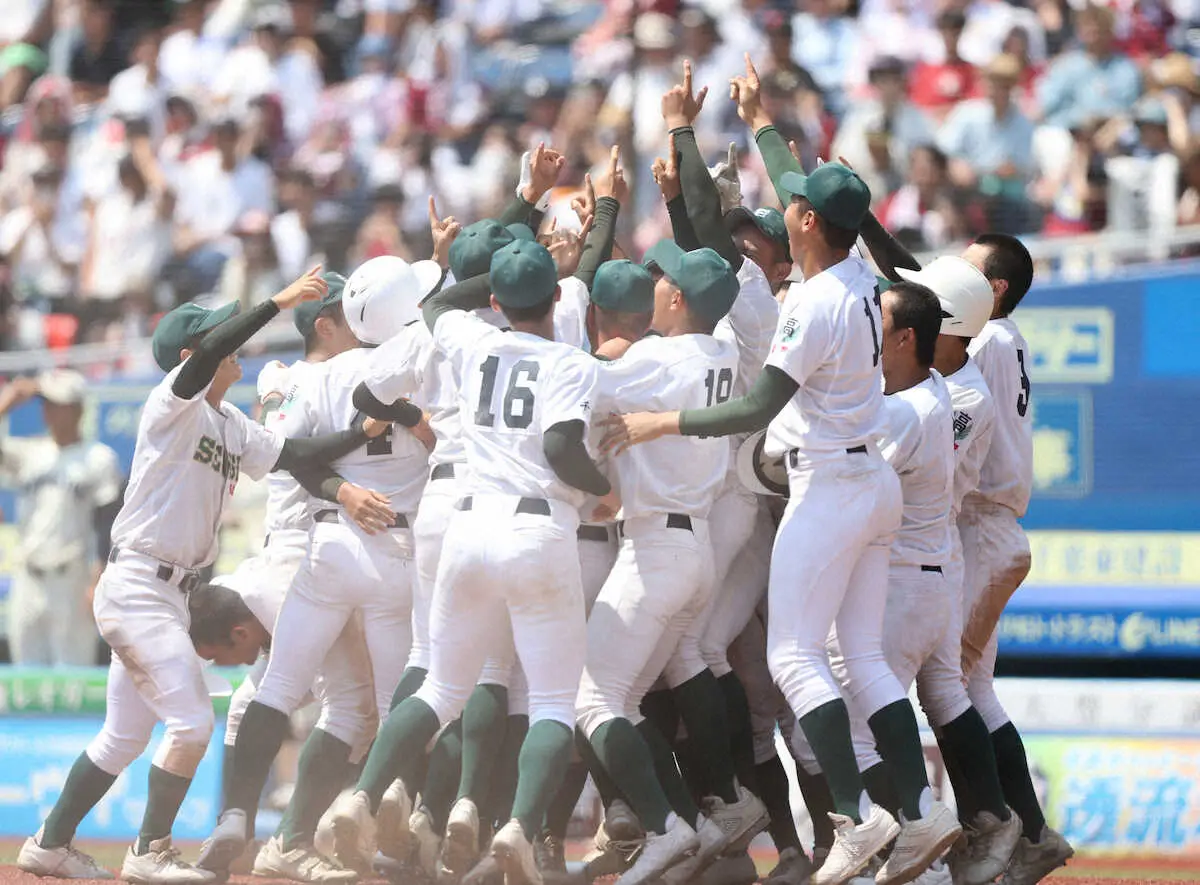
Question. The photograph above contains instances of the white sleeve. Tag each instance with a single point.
(631, 384)
(395, 368)
(295, 418)
(458, 331)
(903, 435)
(107, 487)
(802, 343)
(571, 392)
(165, 410)
(260, 447)
(14, 451)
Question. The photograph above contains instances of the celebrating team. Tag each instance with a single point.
(497, 566)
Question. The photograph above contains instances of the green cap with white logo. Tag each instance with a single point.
(707, 281)
(769, 221)
(835, 191)
(305, 314)
(623, 287)
(178, 329)
(523, 274)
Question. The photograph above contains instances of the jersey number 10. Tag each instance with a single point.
(719, 386)
(518, 396)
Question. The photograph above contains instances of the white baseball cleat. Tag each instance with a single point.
(919, 844)
(304, 864)
(63, 862)
(794, 868)
(395, 809)
(427, 843)
(354, 832)
(1033, 861)
(514, 852)
(661, 852)
(937, 874)
(226, 844)
(855, 845)
(741, 820)
(713, 840)
(460, 848)
(161, 865)
(986, 848)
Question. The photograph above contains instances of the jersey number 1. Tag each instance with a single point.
(518, 398)
(1023, 396)
(874, 331)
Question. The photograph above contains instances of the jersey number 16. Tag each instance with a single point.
(517, 406)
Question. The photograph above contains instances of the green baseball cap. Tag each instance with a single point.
(523, 274)
(769, 221)
(305, 315)
(520, 231)
(836, 192)
(472, 250)
(708, 283)
(623, 287)
(179, 327)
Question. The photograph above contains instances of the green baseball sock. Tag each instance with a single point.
(624, 754)
(164, 797)
(482, 734)
(1013, 766)
(600, 777)
(412, 679)
(882, 788)
(445, 770)
(399, 746)
(562, 806)
(261, 734)
(502, 791)
(669, 777)
(319, 779)
(741, 730)
(827, 729)
(545, 755)
(660, 709)
(702, 706)
(899, 743)
(819, 802)
(971, 761)
(772, 781)
(86, 785)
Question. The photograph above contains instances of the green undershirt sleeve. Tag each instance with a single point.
(746, 414)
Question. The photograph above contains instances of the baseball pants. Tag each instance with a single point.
(596, 558)
(350, 576)
(830, 566)
(660, 583)
(154, 675)
(730, 522)
(915, 621)
(768, 709)
(508, 589)
(941, 688)
(50, 622)
(996, 559)
(429, 531)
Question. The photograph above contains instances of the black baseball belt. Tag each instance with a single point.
(442, 471)
(186, 579)
(532, 506)
(793, 455)
(400, 522)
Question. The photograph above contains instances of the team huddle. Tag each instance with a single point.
(538, 513)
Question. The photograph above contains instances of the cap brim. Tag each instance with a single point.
(794, 183)
(757, 472)
(217, 316)
(667, 256)
(521, 232)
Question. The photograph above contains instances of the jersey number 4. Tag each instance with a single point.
(1023, 396)
(517, 406)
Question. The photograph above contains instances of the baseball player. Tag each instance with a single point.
(69, 492)
(224, 627)
(509, 575)
(351, 572)
(190, 450)
(821, 393)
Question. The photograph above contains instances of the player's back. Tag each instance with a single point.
(1003, 357)
(673, 474)
(513, 386)
(974, 413)
(288, 505)
(919, 444)
(750, 325)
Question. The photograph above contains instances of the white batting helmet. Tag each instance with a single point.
(963, 290)
(759, 472)
(384, 295)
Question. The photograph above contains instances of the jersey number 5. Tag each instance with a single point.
(518, 397)
(1023, 396)
(874, 330)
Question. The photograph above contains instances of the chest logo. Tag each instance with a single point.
(223, 463)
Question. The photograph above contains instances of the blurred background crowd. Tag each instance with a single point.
(155, 151)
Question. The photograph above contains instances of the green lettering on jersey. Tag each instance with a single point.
(204, 450)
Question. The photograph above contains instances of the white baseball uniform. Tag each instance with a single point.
(59, 491)
(348, 573)
(663, 575)
(508, 580)
(996, 556)
(919, 444)
(186, 465)
(940, 682)
(830, 560)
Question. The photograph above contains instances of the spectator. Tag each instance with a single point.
(877, 136)
(50, 147)
(989, 22)
(1093, 81)
(42, 245)
(826, 42)
(1074, 195)
(1189, 203)
(918, 214)
(189, 58)
(292, 229)
(380, 233)
(937, 86)
(98, 57)
(779, 59)
(24, 27)
(1016, 44)
(1143, 184)
(252, 275)
(140, 90)
(990, 145)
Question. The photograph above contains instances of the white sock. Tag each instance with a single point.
(925, 803)
(671, 818)
(864, 805)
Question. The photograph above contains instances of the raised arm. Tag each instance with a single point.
(543, 169)
(469, 294)
(608, 195)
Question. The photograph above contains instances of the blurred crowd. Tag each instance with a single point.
(155, 151)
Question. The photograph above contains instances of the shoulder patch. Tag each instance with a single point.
(962, 426)
(789, 330)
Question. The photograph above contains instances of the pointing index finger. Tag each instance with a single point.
(751, 73)
(433, 213)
